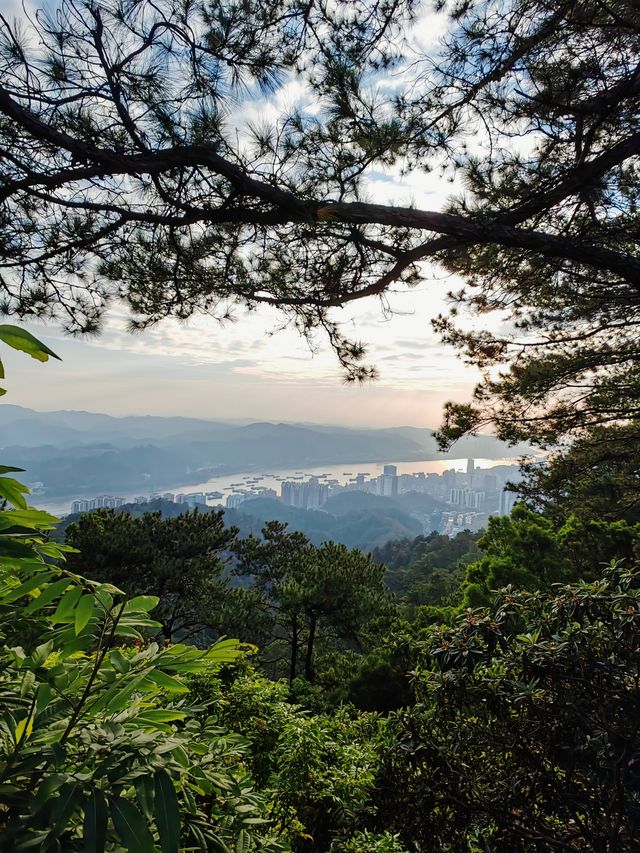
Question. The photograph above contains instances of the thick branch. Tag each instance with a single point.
(477, 231)
(292, 209)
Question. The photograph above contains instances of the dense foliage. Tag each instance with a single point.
(526, 733)
(179, 560)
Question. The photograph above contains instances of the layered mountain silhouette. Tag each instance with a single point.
(74, 453)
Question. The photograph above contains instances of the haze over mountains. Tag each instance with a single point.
(74, 453)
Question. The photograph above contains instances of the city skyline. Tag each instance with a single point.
(460, 499)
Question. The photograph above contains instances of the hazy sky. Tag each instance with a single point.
(241, 370)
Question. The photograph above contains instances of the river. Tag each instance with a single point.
(267, 478)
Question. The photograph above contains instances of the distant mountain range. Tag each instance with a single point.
(84, 453)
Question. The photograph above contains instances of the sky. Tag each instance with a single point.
(247, 369)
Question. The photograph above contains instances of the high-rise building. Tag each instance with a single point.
(101, 502)
(507, 501)
(390, 471)
(449, 478)
(234, 501)
(311, 495)
(195, 499)
(471, 467)
(388, 484)
(474, 499)
(456, 497)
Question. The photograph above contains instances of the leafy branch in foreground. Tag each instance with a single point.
(99, 750)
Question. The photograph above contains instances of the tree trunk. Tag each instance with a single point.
(293, 664)
(308, 664)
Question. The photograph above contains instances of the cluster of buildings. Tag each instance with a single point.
(101, 502)
(469, 497)
(191, 499)
(237, 498)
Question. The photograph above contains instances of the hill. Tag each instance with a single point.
(366, 529)
(80, 454)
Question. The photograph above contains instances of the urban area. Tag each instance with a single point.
(462, 500)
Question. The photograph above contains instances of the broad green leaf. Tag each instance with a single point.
(119, 662)
(48, 787)
(114, 699)
(167, 682)
(43, 697)
(14, 492)
(24, 341)
(67, 801)
(28, 681)
(48, 594)
(180, 755)
(167, 813)
(41, 653)
(243, 841)
(66, 605)
(28, 586)
(24, 727)
(29, 518)
(84, 612)
(104, 599)
(142, 602)
(94, 827)
(160, 716)
(145, 794)
(125, 631)
(131, 826)
(9, 469)
(52, 549)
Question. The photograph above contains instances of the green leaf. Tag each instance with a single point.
(41, 653)
(243, 841)
(28, 586)
(84, 612)
(119, 662)
(167, 682)
(131, 826)
(24, 728)
(167, 813)
(28, 682)
(13, 491)
(29, 519)
(142, 602)
(24, 341)
(48, 594)
(115, 698)
(66, 605)
(145, 794)
(43, 697)
(94, 828)
(64, 806)
(160, 716)
(9, 469)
